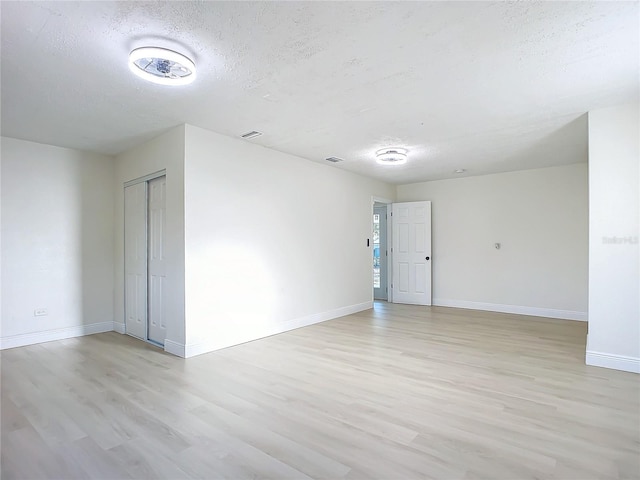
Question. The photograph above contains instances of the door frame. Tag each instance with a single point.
(387, 202)
(136, 181)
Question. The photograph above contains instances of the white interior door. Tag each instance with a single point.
(156, 260)
(135, 263)
(411, 250)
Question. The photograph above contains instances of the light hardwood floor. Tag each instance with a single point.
(397, 392)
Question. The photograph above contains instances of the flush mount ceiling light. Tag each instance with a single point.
(459, 170)
(159, 65)
(391, 156)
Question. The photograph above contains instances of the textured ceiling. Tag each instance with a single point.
(483, 86)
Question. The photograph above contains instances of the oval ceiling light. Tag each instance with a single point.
(391, 156)
(162, 66)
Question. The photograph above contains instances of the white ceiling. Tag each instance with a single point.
(484, 86)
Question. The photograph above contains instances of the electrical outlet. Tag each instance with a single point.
(40, 312)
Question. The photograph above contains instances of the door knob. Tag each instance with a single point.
(426, 258)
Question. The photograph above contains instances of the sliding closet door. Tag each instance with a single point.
(135, 263)
(157, 260)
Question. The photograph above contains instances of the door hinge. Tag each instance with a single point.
(392, 285)
(386, 253)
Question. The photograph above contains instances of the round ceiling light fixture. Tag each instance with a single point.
(162, 66)
(391, 156)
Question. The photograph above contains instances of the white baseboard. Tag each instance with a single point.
(24, 339)
(193, 349)
(516, 309)
(174, 348)
(615, 362)
(119, 327)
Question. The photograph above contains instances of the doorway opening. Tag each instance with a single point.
(380, 251)
(401, 251)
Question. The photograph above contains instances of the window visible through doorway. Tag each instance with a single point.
(376, 250)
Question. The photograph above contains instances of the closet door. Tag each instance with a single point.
(157, 260)
(135, 263)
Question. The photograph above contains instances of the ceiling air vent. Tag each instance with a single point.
(333, 159)
(252, 134)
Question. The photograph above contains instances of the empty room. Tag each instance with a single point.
(328, 240)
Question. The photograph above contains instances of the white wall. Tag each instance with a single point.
(540, 218)
(163, 152)
(614, 260)
(57, 242)
(273, 241)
